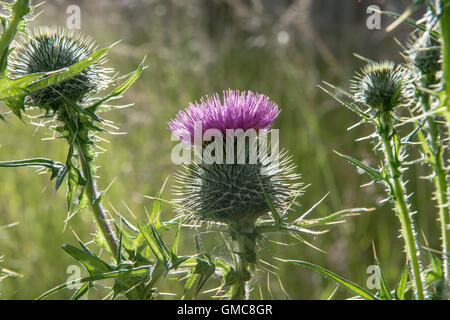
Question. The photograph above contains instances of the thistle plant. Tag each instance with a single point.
(68, 101)
(381, 88)
(51, 49)
(384, 87)
(377, 92)
(424, 59)
(46, 82)
(58, 73)
(233, 193)
(233, 187)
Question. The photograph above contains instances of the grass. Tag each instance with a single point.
(311, 126)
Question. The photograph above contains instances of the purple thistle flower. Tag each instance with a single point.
(239, 110)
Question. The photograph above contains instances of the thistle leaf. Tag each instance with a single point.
(97, 277)
(93, 264)
(276, 216)
(332, 218)
(13, 92)
(350, 285)
(400, 290)
(374, 173)
(81, 292)
(384, 291)
(350, 106)
(120, 89)
(205, 270)
(67, 73)
(155, 243)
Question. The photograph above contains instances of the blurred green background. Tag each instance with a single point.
(196, 47)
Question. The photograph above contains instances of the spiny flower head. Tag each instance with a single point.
(424, 53)
(239, 190)
(49, 49)
(238, 110)
(235, 194)
(382, 86)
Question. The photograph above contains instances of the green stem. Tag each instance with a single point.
(245, 258)
(387, 135)
(444, 217)
(445, 39)
(95, 203)
(19, 9)
(434, 155)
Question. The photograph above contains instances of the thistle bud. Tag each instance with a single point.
(50, 49)
(424, 53)
(382, 86)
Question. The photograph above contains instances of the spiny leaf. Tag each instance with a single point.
(385, 293)
(120, 89)
(13, 92)
(374, 173)
(35, 162)
(331, 218)
(350, 285)
(81, 292)
(101, 276)
(401, 285)
(175, 241)
(10, 88)
(93, 264)
(72, 187)
(414, 132)
(155, 242)
(350, 106)
(69, 72)
(205, 270)
(202, 272)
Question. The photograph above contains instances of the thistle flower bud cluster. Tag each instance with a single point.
(48, 49)
(383, 86)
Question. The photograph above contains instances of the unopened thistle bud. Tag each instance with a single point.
(424, 53)
(50, 49)
(382, 86)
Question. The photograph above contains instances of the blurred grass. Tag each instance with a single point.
(195, 48)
